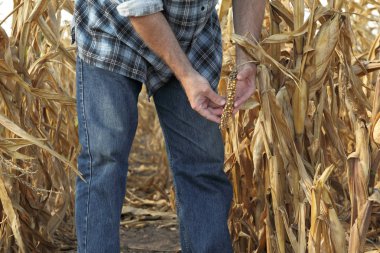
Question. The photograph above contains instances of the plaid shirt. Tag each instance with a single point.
(106, 38)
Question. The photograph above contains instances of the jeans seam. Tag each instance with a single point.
(89, 155)
(177, 189)
(188, 249)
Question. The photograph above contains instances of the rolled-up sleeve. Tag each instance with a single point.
(136, 8)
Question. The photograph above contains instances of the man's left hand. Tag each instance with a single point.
(245, 84)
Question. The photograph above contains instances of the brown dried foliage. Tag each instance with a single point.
(304, 157)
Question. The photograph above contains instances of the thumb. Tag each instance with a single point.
(215, 98)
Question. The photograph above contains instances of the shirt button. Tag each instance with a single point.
(203, 8)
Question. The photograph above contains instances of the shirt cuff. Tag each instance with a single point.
(136, 8)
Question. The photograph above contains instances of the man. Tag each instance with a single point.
(174, 48)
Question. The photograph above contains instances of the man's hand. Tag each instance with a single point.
(249, 15)
(158, 36)
(202, 98)
(245, 84)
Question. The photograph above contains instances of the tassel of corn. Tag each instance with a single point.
(229, 106)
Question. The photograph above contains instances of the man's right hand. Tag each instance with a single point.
(202, 98)
(155, 31)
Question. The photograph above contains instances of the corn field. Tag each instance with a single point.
(303, 155)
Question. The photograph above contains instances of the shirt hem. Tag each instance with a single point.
(151, 89)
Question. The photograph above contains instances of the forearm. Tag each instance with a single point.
(156, 33)
(248, 19)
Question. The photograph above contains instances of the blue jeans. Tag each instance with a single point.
(107, 114)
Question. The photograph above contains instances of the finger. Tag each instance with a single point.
(208, 115)
(213, 105)
(216, 111)
(215, 97)
(240, 100)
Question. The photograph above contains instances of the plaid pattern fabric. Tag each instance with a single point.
(106, 39)
(140, 8)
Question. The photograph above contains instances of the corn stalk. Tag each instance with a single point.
(304, 154)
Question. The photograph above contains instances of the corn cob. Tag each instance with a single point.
(229, 106)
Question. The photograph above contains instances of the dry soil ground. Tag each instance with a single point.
(149, 239)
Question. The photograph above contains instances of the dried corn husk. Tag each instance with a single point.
(319, 125)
